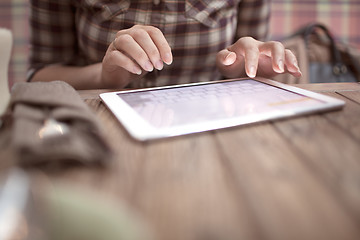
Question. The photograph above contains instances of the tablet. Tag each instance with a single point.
(190, 108)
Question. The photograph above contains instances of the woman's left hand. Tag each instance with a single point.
(251, 57)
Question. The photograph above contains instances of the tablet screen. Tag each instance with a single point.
(210, 102)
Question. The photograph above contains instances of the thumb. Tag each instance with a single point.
(226, 57)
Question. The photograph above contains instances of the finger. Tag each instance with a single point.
(277, 53)
(248, 47)
(247, 54)
(144, 40)
(251, 60)
(292, 64)
(161, 43)
(118, 59)
(128, 46)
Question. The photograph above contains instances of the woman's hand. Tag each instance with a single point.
(253, 58)
(134, 52)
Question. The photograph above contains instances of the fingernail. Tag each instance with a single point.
(228, 59)
(300, 73)
(168, 58)
(252, 72)
(137, 70)
(148, 66)
(159, 65)
(281, 65)
(297, 66)
(295, 71)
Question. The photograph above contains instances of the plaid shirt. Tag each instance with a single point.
(78, 32)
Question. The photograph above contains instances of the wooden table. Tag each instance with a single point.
(290, 179)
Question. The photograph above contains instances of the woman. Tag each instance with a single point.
(143, 43)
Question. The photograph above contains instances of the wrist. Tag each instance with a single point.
(97, 81)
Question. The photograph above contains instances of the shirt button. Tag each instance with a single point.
(156, 2)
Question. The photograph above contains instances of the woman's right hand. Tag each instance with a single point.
(133, 53)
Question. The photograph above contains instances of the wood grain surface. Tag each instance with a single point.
(297, 178)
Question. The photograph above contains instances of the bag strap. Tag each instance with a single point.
(339, 67)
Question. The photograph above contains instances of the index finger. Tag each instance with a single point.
(251, 61)
(248, 47)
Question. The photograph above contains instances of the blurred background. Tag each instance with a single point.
(341, 16)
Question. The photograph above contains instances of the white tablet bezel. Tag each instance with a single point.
(142, 130)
